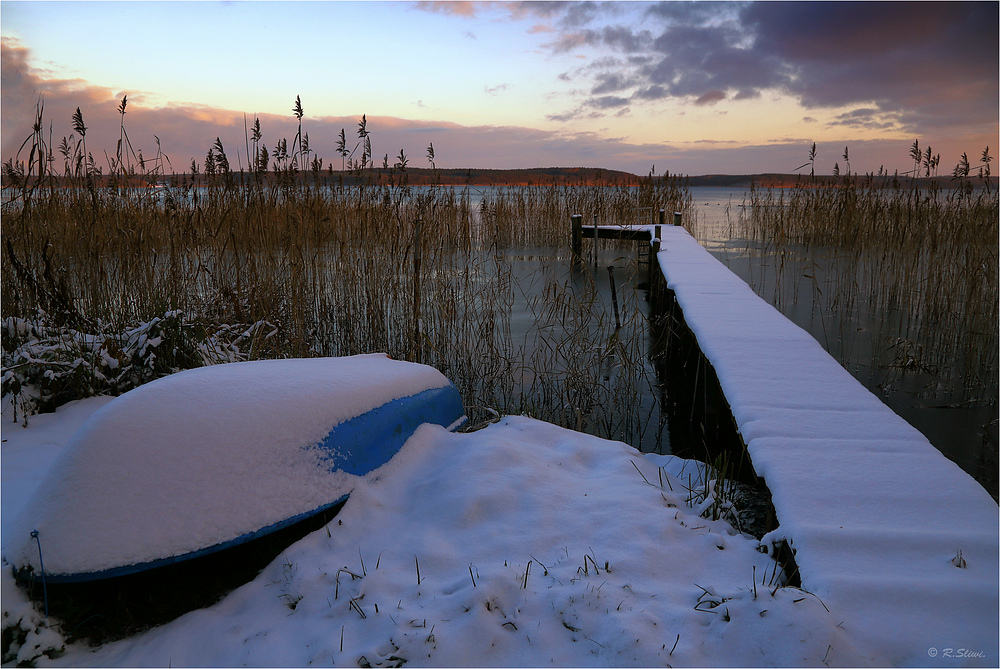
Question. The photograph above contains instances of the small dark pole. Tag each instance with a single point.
(614, 297)
(677, 218)
(663, 216)
(416, 291)
(577, 221)
(654, 280)
(595, 242)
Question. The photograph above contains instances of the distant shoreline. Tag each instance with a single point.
(592, 176)
(553, 176)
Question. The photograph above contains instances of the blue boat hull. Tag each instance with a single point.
(213, 458)
(357, 446)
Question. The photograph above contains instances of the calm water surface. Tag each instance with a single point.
(960, 422)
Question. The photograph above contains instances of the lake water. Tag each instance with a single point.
(572, 363)
(960, 421)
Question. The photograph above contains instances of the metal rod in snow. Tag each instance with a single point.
(614, 297)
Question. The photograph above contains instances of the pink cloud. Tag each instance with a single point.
(186, 131)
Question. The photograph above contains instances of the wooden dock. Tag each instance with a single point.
(884, 528)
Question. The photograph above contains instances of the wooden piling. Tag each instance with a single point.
(655, 274)
(614, 297)
(595, 242)
(577, 223)
(677, 218)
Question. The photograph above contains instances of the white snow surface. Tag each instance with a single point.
(623, 572)
(535, 546)
(878, 517)
(541, 546)
(199, 458)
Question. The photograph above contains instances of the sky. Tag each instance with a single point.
(685, 87)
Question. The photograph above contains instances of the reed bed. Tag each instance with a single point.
(911, 271)
(111, 280)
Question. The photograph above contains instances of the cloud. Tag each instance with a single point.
(711, 98)
(540, 28)
(454, 7)
(612, 82)
(493, 90)
(925, 66)
(867, 117)
(903, 57)
(655, 92)
(186, 131)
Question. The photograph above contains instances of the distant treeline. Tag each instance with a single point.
(790, 180)
(539, 176)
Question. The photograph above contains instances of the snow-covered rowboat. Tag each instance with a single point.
(213, 457)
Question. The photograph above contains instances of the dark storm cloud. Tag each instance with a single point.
(901, 55)
(926, 64)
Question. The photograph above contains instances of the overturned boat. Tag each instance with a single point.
(214, 457)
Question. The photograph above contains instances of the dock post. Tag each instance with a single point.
(577, 221)
(677, 218)
(663, 216)
(654, 273)
(614, 297)
(595, 242)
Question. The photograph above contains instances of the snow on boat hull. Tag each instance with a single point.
(207, 459)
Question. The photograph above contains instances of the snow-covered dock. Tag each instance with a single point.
(882, 524)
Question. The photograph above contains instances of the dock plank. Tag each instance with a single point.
(876, 515)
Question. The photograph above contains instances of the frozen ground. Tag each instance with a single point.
(535, 546)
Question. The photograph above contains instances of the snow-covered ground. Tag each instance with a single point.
(535, 546)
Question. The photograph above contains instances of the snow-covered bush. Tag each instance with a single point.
(45, 366)
(26, 635)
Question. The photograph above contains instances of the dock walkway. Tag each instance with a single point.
(886, 530)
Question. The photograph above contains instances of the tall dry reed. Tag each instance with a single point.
(916, 267)
(272, 264)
